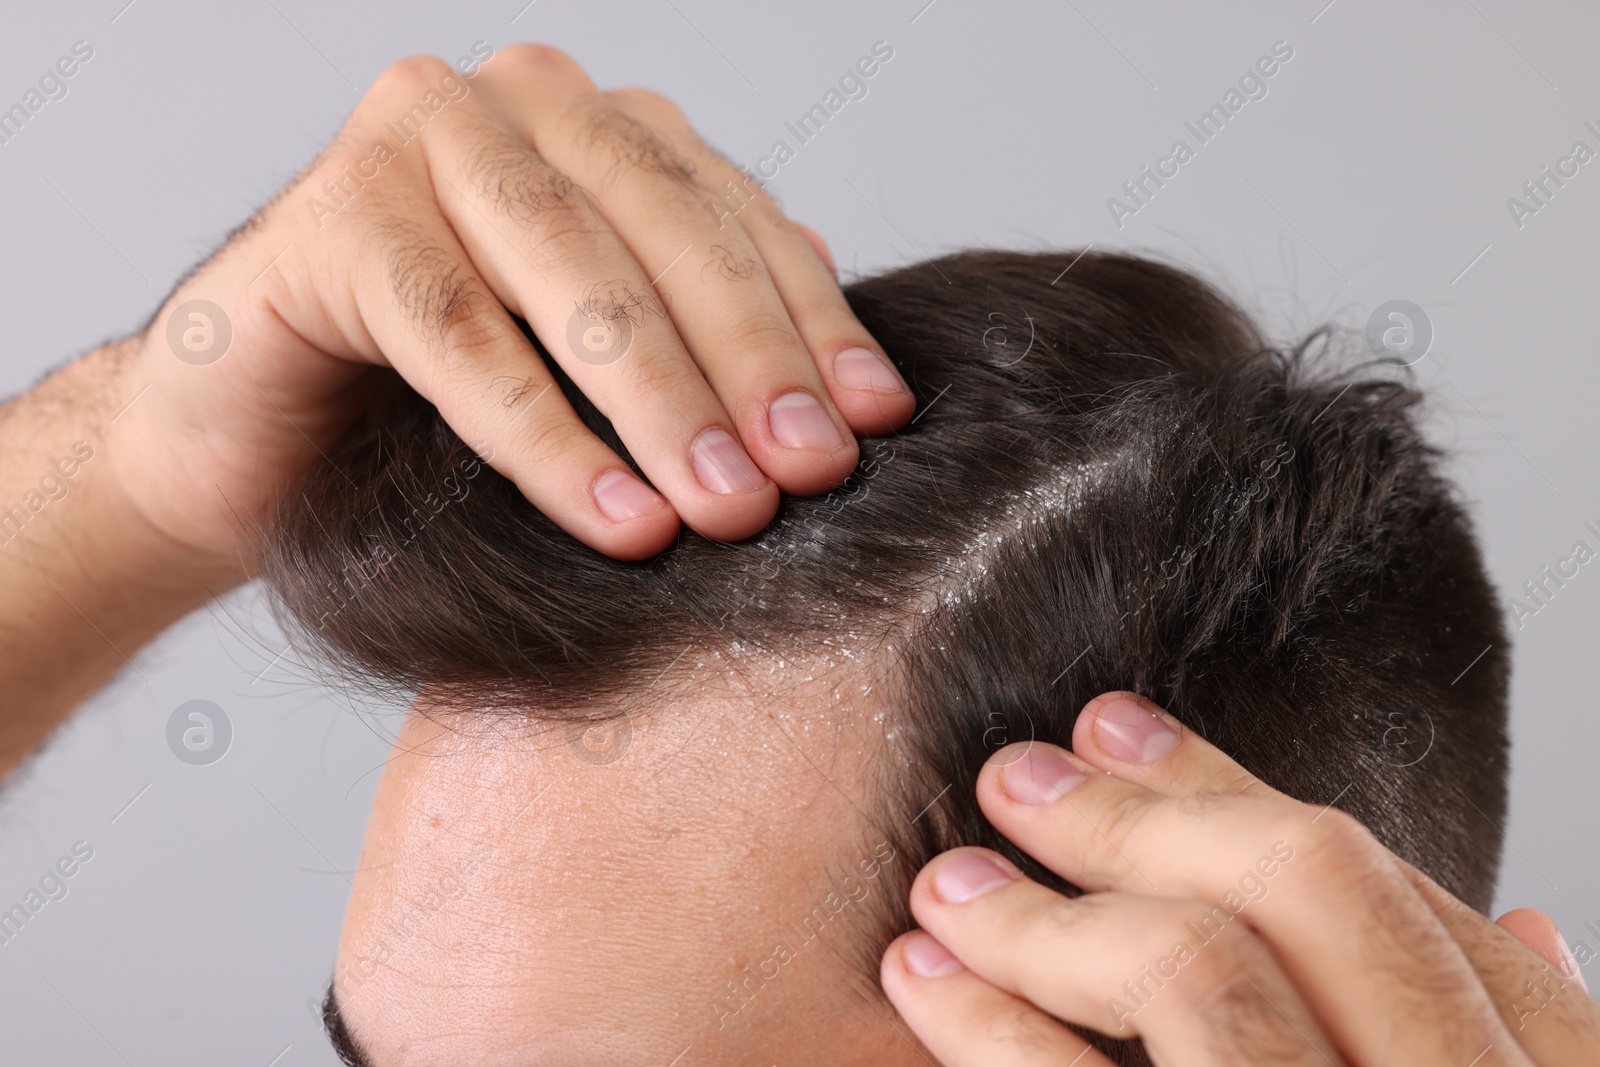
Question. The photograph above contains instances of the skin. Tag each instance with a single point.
(1338, 954)
(734, 807)
(532, 193)
(617, 896)
(529, 192)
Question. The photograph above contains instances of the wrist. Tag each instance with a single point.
(145, 475)
(85, 578)
(67, 510)
(157, 472)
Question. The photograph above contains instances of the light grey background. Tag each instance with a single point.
(1378, 167)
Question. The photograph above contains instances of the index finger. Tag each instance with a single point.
(1131, 737)
(859, 376)
(1127, 735)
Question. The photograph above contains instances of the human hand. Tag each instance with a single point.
(708, 327)
(1222, 922)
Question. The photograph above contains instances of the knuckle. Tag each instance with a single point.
(448, 308)
(543, 58)
(469, 334)
(413, 73)
(658, 108)
(1246, 1026)
(1115, 820)
(550, 441)
(1335, 845)
(765, 332)
(622, 311)
(1025, 1028)
(1203, 805)
(429, 284)
(1061, 916)
(733, 262)
(631, 146)
(1224, 956)
(517, 181)
(565, 236)
(669, 376)
(615, 299)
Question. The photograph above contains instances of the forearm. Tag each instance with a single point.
(85, 581)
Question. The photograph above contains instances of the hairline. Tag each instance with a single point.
(337, 1028)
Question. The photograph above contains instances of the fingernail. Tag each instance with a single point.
(722, 465)
(1039, 776)
(1569, 964)
(926, 958)
(621, 496)
(862, 368)
(798, 421)
(1132, 733)
(966, 875)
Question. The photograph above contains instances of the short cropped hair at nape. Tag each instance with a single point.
(1113, 483)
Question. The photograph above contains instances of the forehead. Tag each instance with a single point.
(544, 886)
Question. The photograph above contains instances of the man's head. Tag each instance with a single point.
(644, 809)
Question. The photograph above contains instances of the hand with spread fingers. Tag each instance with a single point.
(1222, 923)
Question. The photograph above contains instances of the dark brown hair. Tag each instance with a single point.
(1114, 483)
